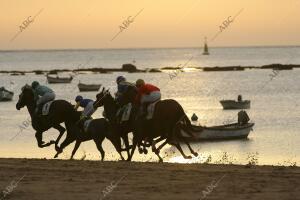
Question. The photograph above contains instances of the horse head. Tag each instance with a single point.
(102, 97)
(26, 97)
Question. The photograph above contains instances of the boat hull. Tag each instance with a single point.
(231, 104)
(6, 96)
(59, 80)
(225, 132)
(88, 87)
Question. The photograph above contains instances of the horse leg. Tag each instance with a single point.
(125, 139)
(134, 144)
(190, 148)
(99, 147)
(61, 132)
(161, 146)
(116, 141)
(65, 143)
(77, 144)
(154, 142)
(177, 145)
(157, 153)
(41, 143)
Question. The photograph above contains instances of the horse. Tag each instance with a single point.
(60, 111)
(120, 130)
(168, 121)
(98, 130)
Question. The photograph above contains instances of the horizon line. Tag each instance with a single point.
(139, 48)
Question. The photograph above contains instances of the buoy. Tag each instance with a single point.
(194, 117)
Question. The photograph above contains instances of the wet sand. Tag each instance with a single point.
(64, 179)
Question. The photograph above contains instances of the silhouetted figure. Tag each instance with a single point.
(240, 98)
(194, 117)
(243, 117)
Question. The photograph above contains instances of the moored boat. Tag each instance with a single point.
(88, 87)
(238, 130)
(57, 79)
(223, 132)
(239, 104)
(232, 104)
(6, 95)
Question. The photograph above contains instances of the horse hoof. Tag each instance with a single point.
(141, 151)
(57, 148)
(52, 142)
(161, 161)
(195, 154)
(145, 151)
(188, 157)
(56, 155)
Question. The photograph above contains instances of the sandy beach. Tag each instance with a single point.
(64, 179)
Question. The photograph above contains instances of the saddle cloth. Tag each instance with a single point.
(87, 124)
(126, 112)
(150, 110)
(46, 108)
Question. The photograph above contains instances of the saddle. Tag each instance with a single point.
(84, 124)
(124, 112)
(44, 108)
(150, 110)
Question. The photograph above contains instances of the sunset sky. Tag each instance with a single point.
(77, 24)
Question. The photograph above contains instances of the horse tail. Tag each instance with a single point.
(186, 126)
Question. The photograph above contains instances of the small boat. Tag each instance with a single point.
(239, 104)
(57, 79)
(238, 130)
(205, 51)
(88, 87)
(223, 132)
(6, 95)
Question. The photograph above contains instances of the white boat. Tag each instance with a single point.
(232, 104)
(223, 132)
(6, 95)
(57, 79)
(88, 87)
(205, 51)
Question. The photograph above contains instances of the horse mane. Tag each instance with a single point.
(26, 87)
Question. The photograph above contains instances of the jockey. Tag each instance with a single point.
(87, 104)
(44, 93)
(125, 95)
(147, 94)
(123, 87)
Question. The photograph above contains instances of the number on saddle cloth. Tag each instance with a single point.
(45, 108)
(126, 112)
(150, 110)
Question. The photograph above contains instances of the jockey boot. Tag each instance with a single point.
(144, 110)
(38, 109)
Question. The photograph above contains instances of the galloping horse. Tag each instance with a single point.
(168, 121)
(120, 130)
(60, 111)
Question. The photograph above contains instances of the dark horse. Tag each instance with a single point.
(98, 130)
(62, 111)
(111, 107)
(168, 121)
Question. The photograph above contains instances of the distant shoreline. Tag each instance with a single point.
(130, 68)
